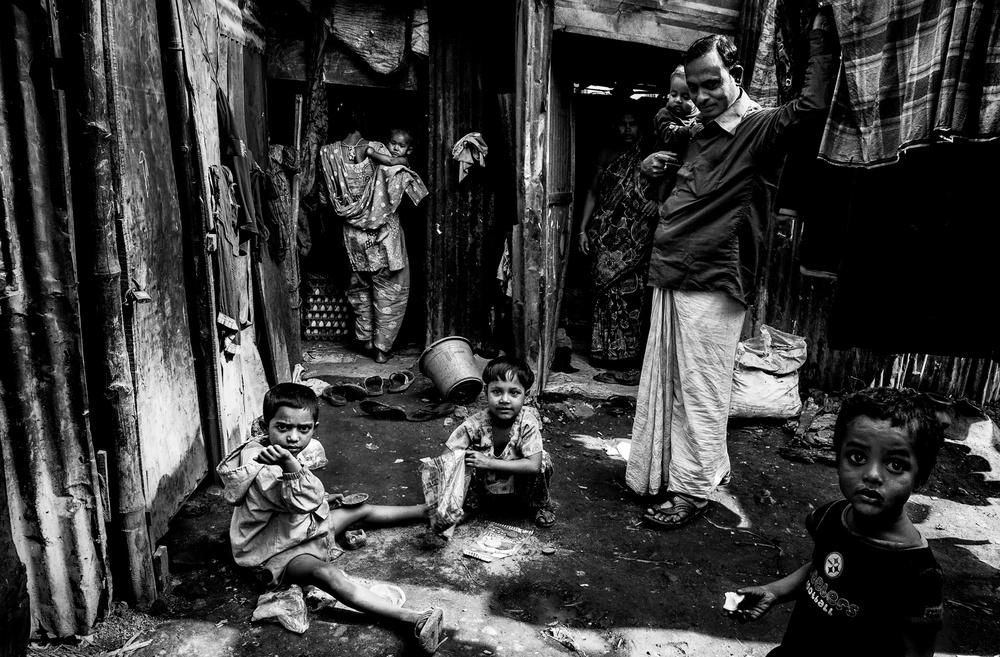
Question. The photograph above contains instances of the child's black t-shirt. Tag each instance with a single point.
(861, 594)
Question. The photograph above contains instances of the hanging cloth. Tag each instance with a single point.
(914, 72)
(469, 150)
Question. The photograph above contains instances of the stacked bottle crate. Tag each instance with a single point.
(327, 313)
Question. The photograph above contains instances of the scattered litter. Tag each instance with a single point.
(398, 461)
(563, 636)
(733, 601)
(448, 421)
(372, 446)
(286, 606)
(461, 412)
(548, 550)
(498, 541)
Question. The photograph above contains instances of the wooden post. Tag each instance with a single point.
(15, 615)
(95, 191)
(532, 61)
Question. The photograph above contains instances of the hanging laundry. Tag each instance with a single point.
(469, 150)
(914, 73)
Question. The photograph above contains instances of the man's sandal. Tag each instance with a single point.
(545, 517)
(681, 514)
(428, 630)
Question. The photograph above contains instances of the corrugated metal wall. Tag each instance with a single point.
(468, 220)
(48, 460)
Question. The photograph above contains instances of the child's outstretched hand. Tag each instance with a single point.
(757, 601)
(335, 500)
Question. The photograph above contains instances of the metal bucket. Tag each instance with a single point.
(451, 366)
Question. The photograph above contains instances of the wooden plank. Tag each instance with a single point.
(532, 61)
(173, 453)
(374, 31)
(560, 172)
(675, 27)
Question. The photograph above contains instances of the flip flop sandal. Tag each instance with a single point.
(374, 385)
(382, 411)
(332, 397)
(545, 518)
(400, 381)
(630, 378)
(350, 391)
(431, 412)
(685, 511)
(428, 630)
(605, 377)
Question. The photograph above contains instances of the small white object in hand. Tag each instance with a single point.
(733, 601)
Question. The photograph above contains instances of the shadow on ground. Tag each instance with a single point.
(611, 586)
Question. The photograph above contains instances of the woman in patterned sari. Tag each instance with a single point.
(617, 229)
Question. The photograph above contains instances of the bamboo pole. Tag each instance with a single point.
(96, 196)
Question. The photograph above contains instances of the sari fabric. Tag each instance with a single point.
(622, 239)
(366, 196)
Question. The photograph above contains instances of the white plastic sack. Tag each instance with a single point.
(766, 379)
(287, 606)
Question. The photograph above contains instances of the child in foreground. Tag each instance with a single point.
(873, 586)
(283, 526)
(503, 446)
(675, 124)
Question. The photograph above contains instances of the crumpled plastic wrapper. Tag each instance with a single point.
(285, 606)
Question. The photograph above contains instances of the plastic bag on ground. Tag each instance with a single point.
(445, 481)
(286, 606)
(766, 379)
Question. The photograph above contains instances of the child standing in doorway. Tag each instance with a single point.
(873, 586)
(675, 124)
(283, 526)
(503, 446)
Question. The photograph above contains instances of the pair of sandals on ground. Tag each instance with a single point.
(678, 511)
(341, 393)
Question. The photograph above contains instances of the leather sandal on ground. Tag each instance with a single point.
(332, 397)
(374, 385)
(350, 391)
(431, 412)
(428, 630)
(400, 381)
(382, 411)
(681, 514)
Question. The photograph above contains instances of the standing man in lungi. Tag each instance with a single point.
(703, 271)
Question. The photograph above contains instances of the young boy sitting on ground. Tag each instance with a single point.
(283, 527)
(503, 446)
(873, 586)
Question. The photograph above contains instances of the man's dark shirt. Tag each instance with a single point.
(709, 234)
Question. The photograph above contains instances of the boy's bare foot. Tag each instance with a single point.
(382, 356)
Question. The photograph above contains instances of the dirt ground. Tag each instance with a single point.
(611, 587)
